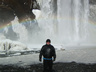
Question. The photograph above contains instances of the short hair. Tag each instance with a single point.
(48, 40)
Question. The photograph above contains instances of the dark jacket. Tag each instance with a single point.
(47, 51)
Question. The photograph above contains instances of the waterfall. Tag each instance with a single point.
(47, 21)
(64, 20)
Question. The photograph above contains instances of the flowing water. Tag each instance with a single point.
(64, 21)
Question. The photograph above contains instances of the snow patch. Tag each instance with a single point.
(37, 13)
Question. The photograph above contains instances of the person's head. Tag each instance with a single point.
(48, 41)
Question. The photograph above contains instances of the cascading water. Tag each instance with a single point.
(63, 21)
(71, 20)
(47, 21)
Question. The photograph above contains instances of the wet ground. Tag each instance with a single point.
(58, 67)
(17, 53)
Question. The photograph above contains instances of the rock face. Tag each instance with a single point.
(6, 14)
(92, 9)
(92, 1)
(92, 14)
(21, 8)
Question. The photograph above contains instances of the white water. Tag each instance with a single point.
(46, 21)
(64, 22)
(73, 20)
(68, 25)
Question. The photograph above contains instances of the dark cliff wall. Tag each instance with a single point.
(6, 14)
(92, 1)
(21, 8)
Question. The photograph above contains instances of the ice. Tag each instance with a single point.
(65, 53)
(78, 55)
(2, 37)
(37, 13)
(18, 28)
(7, 44)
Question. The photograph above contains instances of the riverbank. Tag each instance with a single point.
(80, 55)
(69, 59)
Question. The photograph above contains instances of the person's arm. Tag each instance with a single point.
(54, 54)
(40, 55)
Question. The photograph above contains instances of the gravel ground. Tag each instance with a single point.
(58, 67)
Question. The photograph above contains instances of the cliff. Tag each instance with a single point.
(20, 8)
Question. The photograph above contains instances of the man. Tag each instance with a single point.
(49, 55)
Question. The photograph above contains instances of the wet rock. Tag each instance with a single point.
(21, 8)
(92, 1)
(6, 15)
(92, 13)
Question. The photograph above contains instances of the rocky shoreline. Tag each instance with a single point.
(58, 67)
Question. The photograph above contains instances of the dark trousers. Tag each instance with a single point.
(47, 64)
